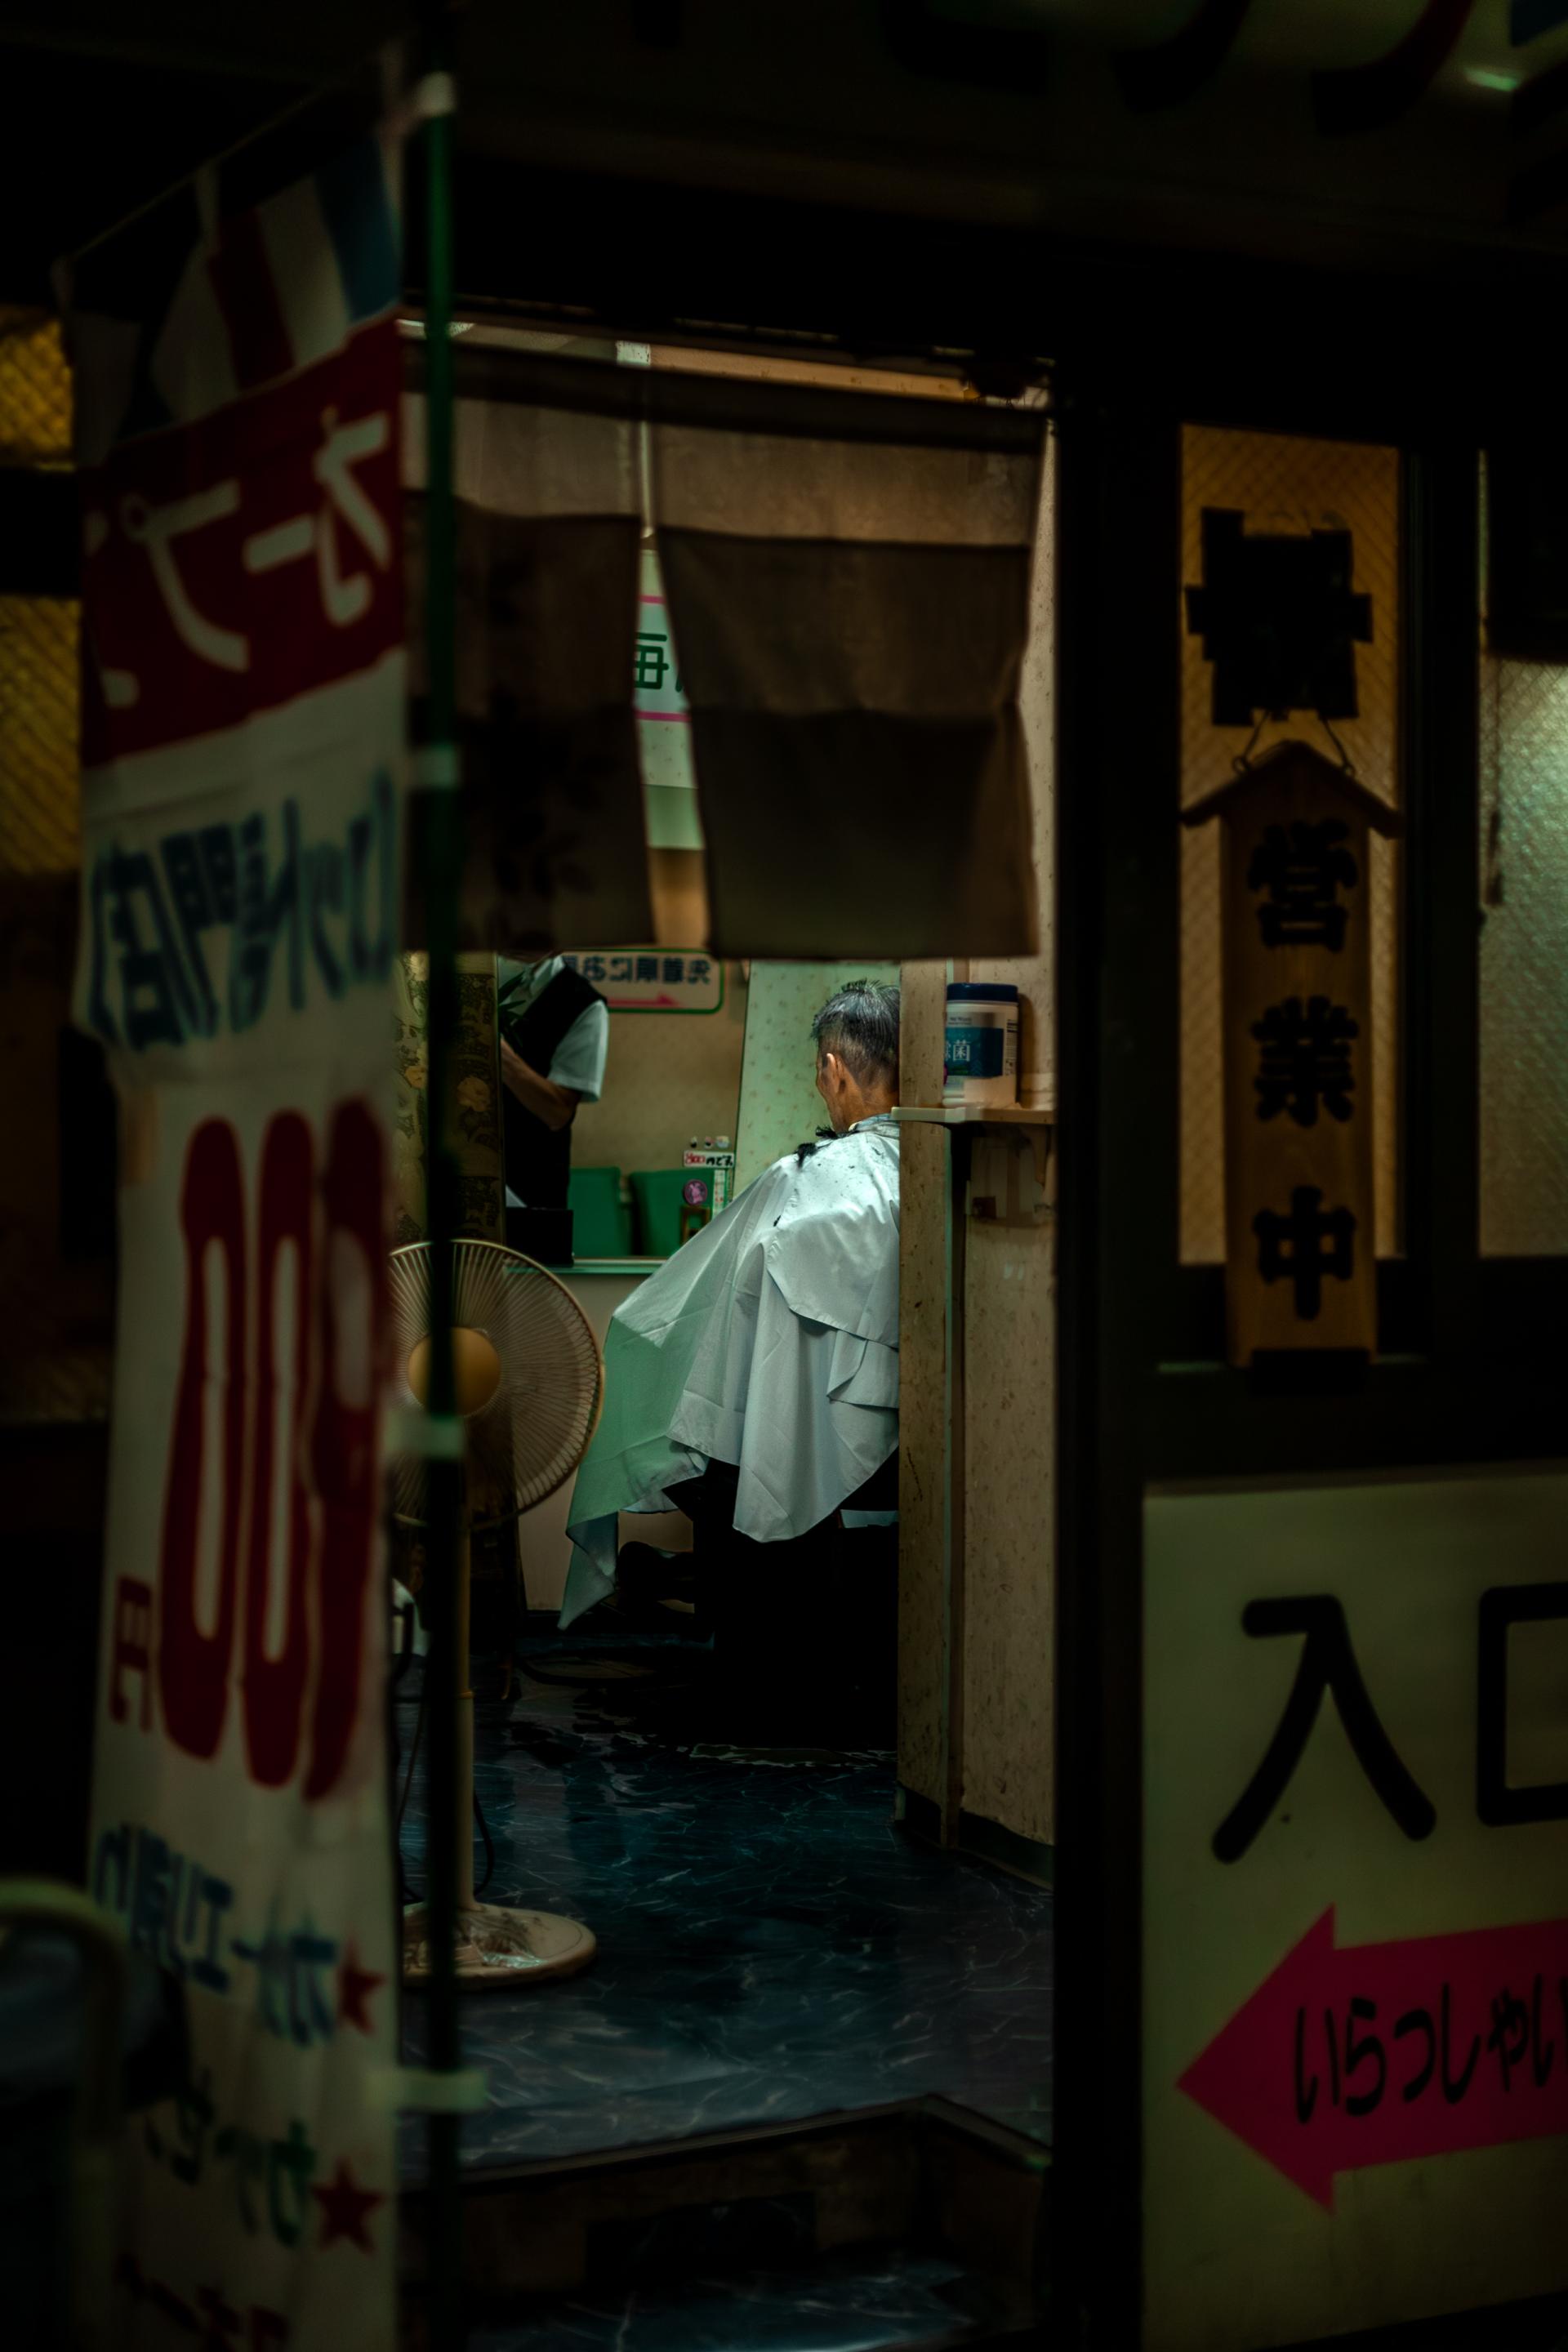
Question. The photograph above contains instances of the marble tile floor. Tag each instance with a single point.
(772, 1946)
(869, 2302)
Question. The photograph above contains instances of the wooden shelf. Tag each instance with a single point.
(1038, 1124)
(962, 1115)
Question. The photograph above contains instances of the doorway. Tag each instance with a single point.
(836, 1905)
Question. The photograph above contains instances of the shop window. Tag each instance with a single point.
(1281, 485)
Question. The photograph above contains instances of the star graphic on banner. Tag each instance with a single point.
(345, 2208)
(355, 1986)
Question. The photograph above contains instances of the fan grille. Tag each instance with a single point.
(528, 1439)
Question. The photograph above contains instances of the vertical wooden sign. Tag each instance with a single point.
(1300, 1265)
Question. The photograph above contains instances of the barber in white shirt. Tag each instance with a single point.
(555, 1037)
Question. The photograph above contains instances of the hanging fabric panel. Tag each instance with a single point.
(549, 537)
(848, 578)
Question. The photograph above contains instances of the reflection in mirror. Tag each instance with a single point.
(616, 1064)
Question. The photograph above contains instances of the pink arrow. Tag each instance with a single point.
(1379, 2052)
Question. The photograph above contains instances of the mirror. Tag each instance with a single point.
(642, 1088)
(621, 1077)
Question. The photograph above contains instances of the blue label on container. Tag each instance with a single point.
(976, 1053)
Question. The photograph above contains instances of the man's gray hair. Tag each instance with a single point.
(860, 1025)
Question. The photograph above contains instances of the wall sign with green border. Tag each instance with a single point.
(652, 979)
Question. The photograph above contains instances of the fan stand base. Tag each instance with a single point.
(497, 1945)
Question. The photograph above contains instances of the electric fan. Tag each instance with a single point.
(528, 1380)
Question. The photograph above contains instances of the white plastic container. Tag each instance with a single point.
(981, 1063)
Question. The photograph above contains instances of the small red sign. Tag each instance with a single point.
(1379, 2053)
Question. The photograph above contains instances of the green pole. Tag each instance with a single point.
(441, 850)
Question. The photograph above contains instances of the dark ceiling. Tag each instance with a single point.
(623, 160)
(102, 107)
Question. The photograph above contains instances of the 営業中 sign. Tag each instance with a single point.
(1300, 1264)
(1356, 1904)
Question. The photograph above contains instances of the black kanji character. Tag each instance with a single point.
(1279, 619)
(1360, 2050)
(652, 658)
(1455, 2087)
(1303, 867)
(1305, 1060)
(158, 1007)
(1292, 1246)
(1540, 2058)
(1509, 2037)
(1366, 2047)
(1497, 1804)
(270, 913)
(1327, 1663)
(191, 898)
(1420, 2020)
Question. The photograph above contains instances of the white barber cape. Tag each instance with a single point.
(771, 1341)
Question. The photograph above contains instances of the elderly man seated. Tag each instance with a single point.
(752, 1382)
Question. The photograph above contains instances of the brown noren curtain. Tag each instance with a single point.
(847, 577)
(549, 532)
(847, 582)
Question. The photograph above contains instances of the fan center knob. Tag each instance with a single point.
(476, 1370)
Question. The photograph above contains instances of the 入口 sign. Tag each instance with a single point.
(1355, 1894)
